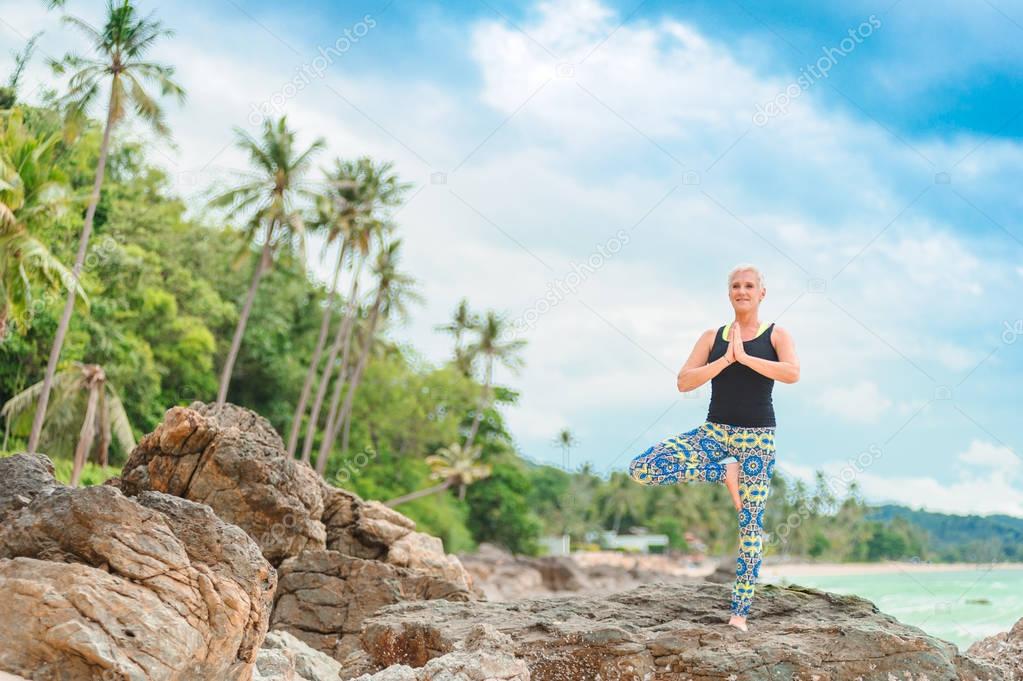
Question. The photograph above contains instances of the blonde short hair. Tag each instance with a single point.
(745, 268)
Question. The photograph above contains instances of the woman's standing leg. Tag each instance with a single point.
(691, 456)
(755, 449)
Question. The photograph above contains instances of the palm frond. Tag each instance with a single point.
(119, 423)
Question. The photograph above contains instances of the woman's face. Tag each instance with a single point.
(744, 292)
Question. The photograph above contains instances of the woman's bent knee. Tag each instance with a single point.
(639, 470)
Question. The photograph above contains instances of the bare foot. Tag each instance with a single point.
(732, 483)
(738, 622)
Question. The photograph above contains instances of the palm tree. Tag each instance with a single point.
(120, 47)
(104, 415)
(462, 320)
(620, 499)
(269, 197)
(455, 465)
(33, 189)
(362, 190)
(9, 93)
(566, 441)
(491, 345)
(327, 217)
(394, 292)
(361, 235)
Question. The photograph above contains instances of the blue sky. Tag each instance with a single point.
(882, 202)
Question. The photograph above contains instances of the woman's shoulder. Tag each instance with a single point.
(779, 333)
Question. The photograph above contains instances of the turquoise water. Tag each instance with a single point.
(961, 606)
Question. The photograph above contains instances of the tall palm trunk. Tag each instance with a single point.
(86, 436)
(330, 430)
(261, 268)
(83, 247)
(484, 402)
(344, 419)
(314, 362)
(104, 429)
(411, 496)
(341, 338)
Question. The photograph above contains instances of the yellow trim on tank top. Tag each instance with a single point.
(725, 331)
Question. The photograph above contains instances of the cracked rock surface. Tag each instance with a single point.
(675, 631)
(1004, 650)
(339, 557)
(96, 585)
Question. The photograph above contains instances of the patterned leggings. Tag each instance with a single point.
(696, 456)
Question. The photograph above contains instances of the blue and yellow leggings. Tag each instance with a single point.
(699, 455)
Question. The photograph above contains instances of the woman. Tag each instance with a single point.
(735, 445)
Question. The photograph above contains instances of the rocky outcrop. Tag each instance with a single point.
(667, 631)
(232, 460)
(1004, 650)
(285, 658)
(324, 596)
(96, 585)
(502, 576)
(339, 557)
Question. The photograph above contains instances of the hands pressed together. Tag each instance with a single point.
(735, 352)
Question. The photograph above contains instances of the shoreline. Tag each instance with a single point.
(784, 570)
(781, 569)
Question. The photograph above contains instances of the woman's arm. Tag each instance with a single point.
(697, 371)
(786, 369)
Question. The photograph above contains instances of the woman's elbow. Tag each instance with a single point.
(794, 375)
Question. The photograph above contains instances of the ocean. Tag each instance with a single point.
(959, 606)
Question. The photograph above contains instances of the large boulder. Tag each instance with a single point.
(675, 631)
(1004, 650)
(232, 460)
(96, 585)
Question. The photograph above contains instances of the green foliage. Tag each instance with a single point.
(92, 474)
(499, 512)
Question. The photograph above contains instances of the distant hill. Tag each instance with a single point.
(972, 538)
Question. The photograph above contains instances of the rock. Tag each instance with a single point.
(285, 658)
(559, 573)
(235, 463)
(1004, 650)
(359, 554)
(324, 596)
(95, 585)
(676, 631)
(485, 655)
(724, 573)
(232, 460)
(25, 477)
(500, 575)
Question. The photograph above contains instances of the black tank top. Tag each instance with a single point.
(739, 395)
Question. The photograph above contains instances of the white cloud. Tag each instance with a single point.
(987, 484)
(810, 194)
(861, 402)
(1002, 459)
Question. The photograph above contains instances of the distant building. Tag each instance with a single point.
(556, 545)
(642, 541)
